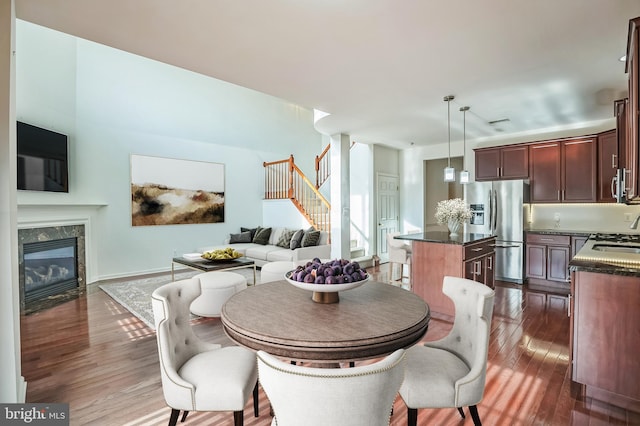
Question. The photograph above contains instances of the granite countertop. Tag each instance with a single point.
(557, 231)
(602, 268)
(590, 259)
(444, 237)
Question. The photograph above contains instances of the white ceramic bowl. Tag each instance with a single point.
(192, 256)
(325, 288)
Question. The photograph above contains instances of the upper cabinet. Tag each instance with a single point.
(620, 108)
(508, 162)
(632, 126)
(563, 171)
(545, 173)
(607, 165)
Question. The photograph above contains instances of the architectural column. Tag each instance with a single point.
(12, 385)
(340, 197)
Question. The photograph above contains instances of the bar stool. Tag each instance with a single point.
(399, 253)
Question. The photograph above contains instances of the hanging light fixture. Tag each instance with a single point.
(464, 174)
(449, 172)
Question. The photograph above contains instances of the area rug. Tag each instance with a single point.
(135, 295)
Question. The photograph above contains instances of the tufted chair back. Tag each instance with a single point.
(361, 395)
(469, 337)
(451, 372)
(177, 342)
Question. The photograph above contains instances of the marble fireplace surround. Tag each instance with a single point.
(50, 233)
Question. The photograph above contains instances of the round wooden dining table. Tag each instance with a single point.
(369, 321)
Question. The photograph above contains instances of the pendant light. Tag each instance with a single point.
(449, 172)
(464, 174)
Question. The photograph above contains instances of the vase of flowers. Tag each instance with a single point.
(453, 213)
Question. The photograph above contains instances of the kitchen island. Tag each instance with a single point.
(437, 254)
(605, 330)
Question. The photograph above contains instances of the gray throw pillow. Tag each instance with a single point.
(251, 230)
(311, 238)
(262, 236)
(243, 237)
(285, 238)
(296, 239)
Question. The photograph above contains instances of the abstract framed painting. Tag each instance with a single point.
(167, 191)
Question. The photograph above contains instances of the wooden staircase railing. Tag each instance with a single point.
(283, 179)
(323, 167)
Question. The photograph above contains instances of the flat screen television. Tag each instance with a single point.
(42, 159)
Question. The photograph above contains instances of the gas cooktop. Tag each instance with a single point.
(617, 238)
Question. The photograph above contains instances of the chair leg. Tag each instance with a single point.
(473, 410)
(461, 412)
(256, 410)
(238, 418)
(174, 417)
(412, 416)
(184, 416)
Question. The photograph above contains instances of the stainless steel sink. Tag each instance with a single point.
(616, 248)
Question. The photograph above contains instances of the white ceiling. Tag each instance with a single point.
(382, 67)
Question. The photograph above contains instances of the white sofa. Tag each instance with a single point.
(270, 252)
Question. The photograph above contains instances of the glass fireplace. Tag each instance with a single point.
(50, 268)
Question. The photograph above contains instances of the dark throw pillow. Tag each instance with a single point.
(285, 238)
(243, 237)
(311, 238)
(262, 236)
(296, 239)
(251, 230)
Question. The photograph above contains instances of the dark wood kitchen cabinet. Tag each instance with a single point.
(620, 108)
(563, 171)
(479, 261)
(547, 262)
(576, 244)
(632, 119)
(508, 162)
(545, 172)
(604, 337)
(607, 165)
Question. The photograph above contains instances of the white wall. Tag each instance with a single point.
(386, 160)
(362, 197)
(113, 104)
(280, 213)
(412, 187)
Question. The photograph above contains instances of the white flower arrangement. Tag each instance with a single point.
(452, 210)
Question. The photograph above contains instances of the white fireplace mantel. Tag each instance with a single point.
(50, 215)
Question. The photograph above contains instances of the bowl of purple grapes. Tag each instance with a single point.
(326, 279)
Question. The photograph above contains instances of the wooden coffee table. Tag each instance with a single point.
(369, 321)
(205, 265)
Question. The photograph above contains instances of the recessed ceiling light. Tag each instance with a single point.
(623, 58)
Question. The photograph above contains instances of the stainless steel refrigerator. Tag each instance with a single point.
(498, 208)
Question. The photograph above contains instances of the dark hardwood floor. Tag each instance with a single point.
(93, 354)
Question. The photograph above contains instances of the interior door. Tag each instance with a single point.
(388, 204)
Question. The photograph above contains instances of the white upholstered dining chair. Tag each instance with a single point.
(399, 253)
(196, 375)
(358, 396)
(451, 372)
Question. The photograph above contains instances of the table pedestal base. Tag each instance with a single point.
(322, 297)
